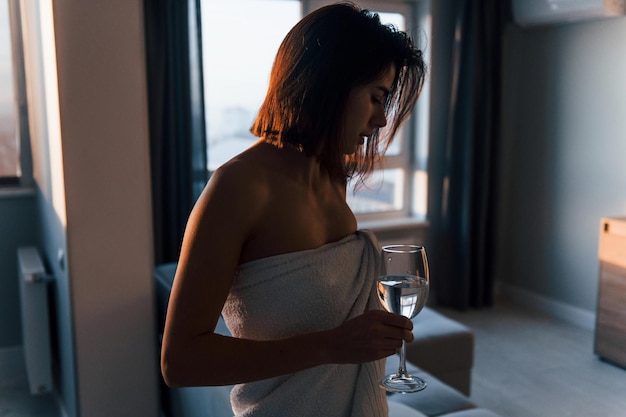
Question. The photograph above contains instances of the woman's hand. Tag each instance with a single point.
(373, 335)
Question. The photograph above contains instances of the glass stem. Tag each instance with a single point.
(402, 368)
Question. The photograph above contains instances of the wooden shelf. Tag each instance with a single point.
(610, 336)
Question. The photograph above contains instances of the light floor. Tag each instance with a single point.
(528, 364)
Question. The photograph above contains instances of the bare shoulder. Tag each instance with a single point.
(240, 185)
(225, 215)
(239, 174)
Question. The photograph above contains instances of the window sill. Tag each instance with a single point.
(402, 224)
(16, 192)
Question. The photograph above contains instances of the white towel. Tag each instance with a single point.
(303, 292)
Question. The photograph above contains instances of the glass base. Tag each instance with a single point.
(402, 383)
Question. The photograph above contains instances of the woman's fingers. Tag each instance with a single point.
(373, 335)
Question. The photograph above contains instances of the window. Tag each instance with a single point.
(15, 157)
(385, 193)
(9, 143)
(238, 49)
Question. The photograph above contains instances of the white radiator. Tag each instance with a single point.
(35, 319)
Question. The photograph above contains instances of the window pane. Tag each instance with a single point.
(420, 194)
(398, 20)
(383, 191)
(9, 151)
(238, 51)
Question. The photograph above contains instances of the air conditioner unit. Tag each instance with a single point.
(544, 12)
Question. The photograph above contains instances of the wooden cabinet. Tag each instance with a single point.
(610, 337)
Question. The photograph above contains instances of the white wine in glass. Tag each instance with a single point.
(402, 288)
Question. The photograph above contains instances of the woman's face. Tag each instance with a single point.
(365, 111)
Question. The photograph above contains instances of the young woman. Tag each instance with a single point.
(272, 246)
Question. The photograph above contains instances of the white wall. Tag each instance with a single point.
(91, 154)
(563, 156)
(45, 136)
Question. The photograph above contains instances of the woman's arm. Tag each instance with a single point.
(193, 355)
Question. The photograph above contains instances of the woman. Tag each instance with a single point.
(272, 245)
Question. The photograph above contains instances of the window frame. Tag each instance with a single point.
(409, 155)
(24, 176)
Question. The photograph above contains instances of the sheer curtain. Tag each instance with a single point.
(177, 132)
(465, 103)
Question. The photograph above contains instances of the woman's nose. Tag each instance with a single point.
(379, 118)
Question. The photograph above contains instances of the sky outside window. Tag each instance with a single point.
(240, 39)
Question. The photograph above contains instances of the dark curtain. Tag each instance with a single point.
(462, 157)
(176, 118)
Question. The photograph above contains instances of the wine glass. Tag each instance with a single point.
(402, 288)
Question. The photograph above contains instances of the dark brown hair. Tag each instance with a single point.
(328, 53)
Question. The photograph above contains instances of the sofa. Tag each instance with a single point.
(442, 354)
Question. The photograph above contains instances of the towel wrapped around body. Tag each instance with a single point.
(302, 292)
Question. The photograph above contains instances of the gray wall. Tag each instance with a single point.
(563, 155)
(19, 226)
